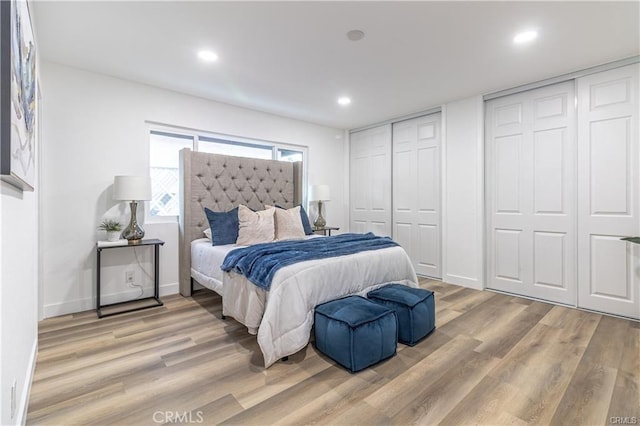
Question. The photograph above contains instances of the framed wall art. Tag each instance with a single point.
(18, 94)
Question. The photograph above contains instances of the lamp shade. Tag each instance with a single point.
(132, 188)
(320, 193)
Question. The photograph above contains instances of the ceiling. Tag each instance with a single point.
(294, 59)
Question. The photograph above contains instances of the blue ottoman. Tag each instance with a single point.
(355, 332)
(415, 308)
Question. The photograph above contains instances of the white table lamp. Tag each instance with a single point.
(132, 189)
(320, 193)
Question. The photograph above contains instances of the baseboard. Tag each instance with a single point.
(24, 398)
(168, 289)
(462, 281)
(89, 304)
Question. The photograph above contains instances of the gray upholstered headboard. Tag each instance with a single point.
(222, 182)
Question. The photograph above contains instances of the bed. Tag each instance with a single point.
(281, 317)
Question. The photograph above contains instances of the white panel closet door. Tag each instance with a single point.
(416, 191)
(370, 181)
(530, 181)
(609, 191)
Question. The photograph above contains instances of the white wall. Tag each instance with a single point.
(463, 193)
(94, 128)
(18, 297)
(3, 392)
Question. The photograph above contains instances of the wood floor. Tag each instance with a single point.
(493, 359)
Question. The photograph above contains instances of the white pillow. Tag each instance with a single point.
(255, 227)
(207, 233)
(288, 223)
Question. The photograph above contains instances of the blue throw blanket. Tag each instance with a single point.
(259, 263)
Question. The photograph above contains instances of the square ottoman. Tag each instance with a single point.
(355, 332)
(415, 308)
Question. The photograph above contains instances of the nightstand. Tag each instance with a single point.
(141, 303)
(325, 231)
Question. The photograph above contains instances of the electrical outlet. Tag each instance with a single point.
(14, 389)
(129, 277)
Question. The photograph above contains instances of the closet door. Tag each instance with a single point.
(609, 191)
(370, 181)
(530, 193)
(416, 191)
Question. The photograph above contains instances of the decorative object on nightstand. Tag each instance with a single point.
(320, 193)
(113, 228)
(325, 230)
(132, 189)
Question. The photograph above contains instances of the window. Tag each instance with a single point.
(289, 155)
(163, 168)
(164, 147)
(239, 149)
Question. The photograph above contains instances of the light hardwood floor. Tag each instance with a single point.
(493, 359)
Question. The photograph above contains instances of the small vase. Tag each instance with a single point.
(113, 235)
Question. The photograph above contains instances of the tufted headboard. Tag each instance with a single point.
(222, 182)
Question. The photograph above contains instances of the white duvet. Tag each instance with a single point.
(283, 316)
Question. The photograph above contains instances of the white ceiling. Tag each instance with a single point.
(294, 59)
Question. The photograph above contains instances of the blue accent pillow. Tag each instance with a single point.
(306, 225)
(224, 226)
(305, 221)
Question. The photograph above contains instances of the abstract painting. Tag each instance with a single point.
(18, 83)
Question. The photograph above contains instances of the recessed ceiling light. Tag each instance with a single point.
(344, 100)
(207, 55)
(525, 37)
(355, 35)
